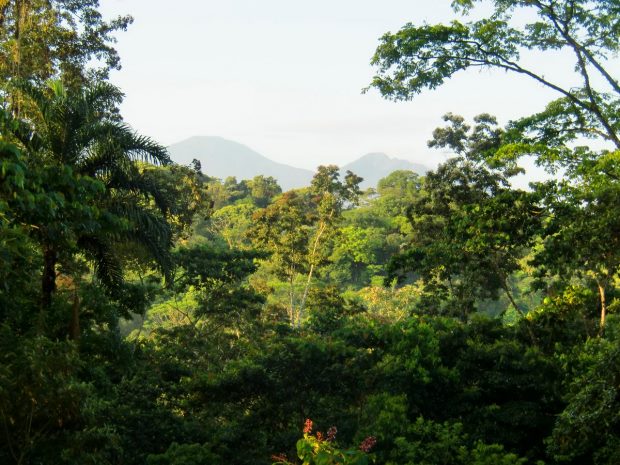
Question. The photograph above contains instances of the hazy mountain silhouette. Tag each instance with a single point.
(221, 158)
(375, 166)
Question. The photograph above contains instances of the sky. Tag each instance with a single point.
(285, 77)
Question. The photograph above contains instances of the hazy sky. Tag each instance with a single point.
(285, 77)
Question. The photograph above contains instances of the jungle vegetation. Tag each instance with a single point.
(152, 314)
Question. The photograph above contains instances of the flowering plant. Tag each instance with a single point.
(320, 449)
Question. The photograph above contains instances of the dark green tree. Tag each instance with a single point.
(587, 430)
(469, 227)
(580, 237)
(77, 140)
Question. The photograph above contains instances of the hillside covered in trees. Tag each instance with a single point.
(151, 313)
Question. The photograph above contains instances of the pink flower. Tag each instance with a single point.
(368, 444)
(331, 433)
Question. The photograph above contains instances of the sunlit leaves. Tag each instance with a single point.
(424, 57)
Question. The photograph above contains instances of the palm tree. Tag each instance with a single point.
(80, 135)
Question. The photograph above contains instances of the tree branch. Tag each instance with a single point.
(563, 28)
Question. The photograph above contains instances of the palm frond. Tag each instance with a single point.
(148, 230)
(107, 265)
(139, 147)
(81, 129)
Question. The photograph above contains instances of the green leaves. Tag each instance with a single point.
(423, 57)
(40, 395)
(42, 39)
(318, 450)
(296, 227)
(581, 237)
(469, 231)
(417, 58)
(92, 192)
(589, 424)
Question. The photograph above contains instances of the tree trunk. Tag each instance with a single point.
(21, 12)
(302, 305)
(48, 279)
(317, 239)
(48, 284)
(519, 311)
(291, 296)
(74, 327)
(601, 293)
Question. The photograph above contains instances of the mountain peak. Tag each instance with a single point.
(378, 157)
(212, 145)
(221, 158)
(374, 156)
(377, 165)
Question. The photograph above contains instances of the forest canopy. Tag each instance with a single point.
(152, 314)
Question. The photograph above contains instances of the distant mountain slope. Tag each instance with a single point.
(222, 158)
(375, 166)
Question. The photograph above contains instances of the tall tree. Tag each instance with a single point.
(580, 238)
(331, 195)
(470, 228)
(283, 229)
(295, 228)
(41, 39)
(419, 57)
(582, 235)
(78, 136)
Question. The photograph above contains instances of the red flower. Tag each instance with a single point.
(308, 426)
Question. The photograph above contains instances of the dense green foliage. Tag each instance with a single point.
(151, 314)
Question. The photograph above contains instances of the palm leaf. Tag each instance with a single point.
(107, 265)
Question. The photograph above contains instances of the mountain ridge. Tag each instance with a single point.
(222, 158)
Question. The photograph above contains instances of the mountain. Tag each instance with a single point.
(375, 166)
(222, 158)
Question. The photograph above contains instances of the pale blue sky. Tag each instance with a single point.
(285, 77)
